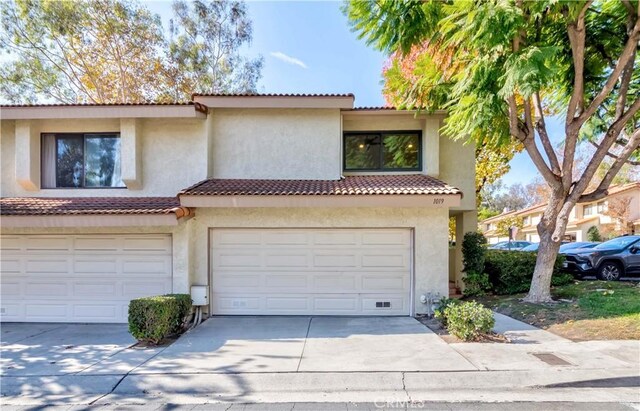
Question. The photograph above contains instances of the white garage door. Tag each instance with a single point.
(81, 278)
(311, 271)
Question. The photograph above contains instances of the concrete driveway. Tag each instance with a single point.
(298, 344)
(231, 345)
(34, 349)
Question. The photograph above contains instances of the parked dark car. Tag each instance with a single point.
(510, 245)
(567, 247)
(564, 247)
(608, 261)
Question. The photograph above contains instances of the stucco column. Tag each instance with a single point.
(467, 221)
(131, 152)
(27, 155)
(182, 257)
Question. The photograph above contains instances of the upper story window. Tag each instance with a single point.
(81, 160)
(383, 151)
(588, 209)
(526, 220)
(602, 207)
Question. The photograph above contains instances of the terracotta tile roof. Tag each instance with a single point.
(274, 95)
(373, 108)
(351, 185)
(39, 206)
(175, 103)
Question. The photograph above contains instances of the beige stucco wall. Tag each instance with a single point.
(174, 156)
(430, 230)
(276, 143)
(457, 167)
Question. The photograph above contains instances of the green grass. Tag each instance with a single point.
(584, 310)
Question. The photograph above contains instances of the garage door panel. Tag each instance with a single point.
(285, 237)
(235, 258)
(333, 238)
(337, 258)
(46, 312)
(11, 244)
(48, 244)
(343, 282)
(96, 265)
(10, 265)
(229, 281)
(384, 238)
(91, 312)
(385, 259)
(47, 265)
(286, 259)
(96, 244)
(146, 266)
(47, 289)
(10, 287)
(310, 271)
(390, 283)
(95, 289)
(133, 289)
(85, 281)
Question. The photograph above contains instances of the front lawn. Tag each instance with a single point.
(586, 310)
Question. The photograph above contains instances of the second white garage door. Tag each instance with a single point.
(81, 278)
(311, 271)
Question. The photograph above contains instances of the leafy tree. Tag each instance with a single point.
(498, 198)
(503, 226)
(204, 49)
(89, 51)
(512, 64)
(593, 234)
(115, 51)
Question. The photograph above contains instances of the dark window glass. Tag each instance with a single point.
(401, 151)
(81, 160)
(102, 161)
(362, 151)
(391, 151)
(70, 161)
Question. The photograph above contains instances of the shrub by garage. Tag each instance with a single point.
(510, 272)
(153, 319)
(469, 320)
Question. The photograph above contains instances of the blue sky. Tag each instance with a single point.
(309, 48)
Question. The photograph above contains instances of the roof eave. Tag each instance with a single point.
(268, 101)
(267, 201)
(44, 112)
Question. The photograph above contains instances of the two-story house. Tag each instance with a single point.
(279, 204)
(620, 207)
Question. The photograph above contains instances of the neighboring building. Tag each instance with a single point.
(279, 204)
(582, 217)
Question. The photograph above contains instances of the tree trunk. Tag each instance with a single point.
(551, 230)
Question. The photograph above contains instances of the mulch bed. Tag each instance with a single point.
(436, 326)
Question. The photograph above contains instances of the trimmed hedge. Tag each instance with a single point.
(510, 272)
(152, 319)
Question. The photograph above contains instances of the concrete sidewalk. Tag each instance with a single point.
(342, 360)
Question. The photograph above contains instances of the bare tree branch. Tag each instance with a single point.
(576, 32)
(611, 136)
(541, 127)
(625, 56)
(602, 190)
(614, 156)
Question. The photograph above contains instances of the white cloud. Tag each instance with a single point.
(288, 59)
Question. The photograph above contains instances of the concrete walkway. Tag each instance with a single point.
(332, 359)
